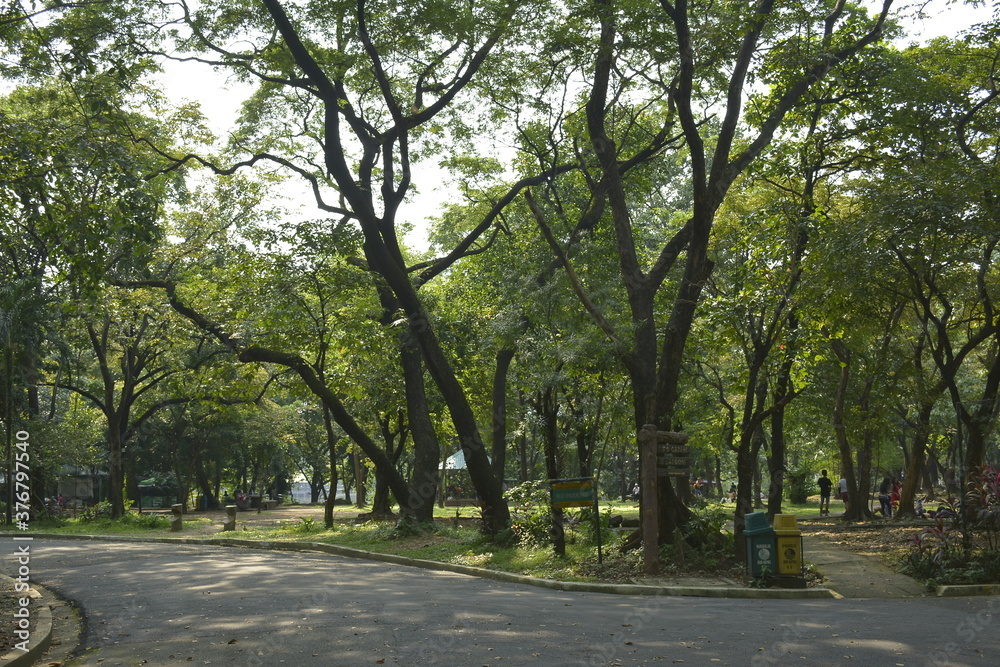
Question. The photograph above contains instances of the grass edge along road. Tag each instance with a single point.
(453, 538)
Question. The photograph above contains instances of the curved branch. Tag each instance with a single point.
(438, 266)
(604, 325)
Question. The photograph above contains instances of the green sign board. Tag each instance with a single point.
(579, 492)
(573, 494)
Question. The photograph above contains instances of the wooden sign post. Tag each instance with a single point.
(661, 454)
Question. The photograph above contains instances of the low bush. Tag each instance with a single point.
(530, 512)
(941, 554)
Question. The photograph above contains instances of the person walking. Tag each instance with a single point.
(825, 487)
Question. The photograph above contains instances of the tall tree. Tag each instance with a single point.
(694, 75)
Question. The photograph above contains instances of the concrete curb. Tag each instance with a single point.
(961, 590)
(41, 633)
(495, 575)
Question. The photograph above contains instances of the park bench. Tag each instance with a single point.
(253, 502)
(460, 502)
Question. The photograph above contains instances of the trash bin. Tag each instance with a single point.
(788, 542)
(761, 548)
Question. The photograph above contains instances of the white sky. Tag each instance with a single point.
(221, 104)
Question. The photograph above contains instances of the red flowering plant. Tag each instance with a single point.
(983, 499)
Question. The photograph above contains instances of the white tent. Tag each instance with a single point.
(455, 462)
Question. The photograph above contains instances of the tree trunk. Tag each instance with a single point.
(424, 481)
(116, 469)
(499, 432)
(331, 497)
(857, 508)
(360, 496)
(915, 471)
(550, 438)
(204, 483)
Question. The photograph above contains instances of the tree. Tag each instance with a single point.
(935, 203)
(367, 99)
(73, 205)
(128, 353)
(692, 69)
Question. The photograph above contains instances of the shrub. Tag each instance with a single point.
(151, 521)
(983, 498)
(101, 510)
(530, 512)
(704, 545)
(799, 486)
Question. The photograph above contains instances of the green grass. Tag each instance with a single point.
(443, 541)
(453, 538)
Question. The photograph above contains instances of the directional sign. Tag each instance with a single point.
(673, 461)
(667, 450)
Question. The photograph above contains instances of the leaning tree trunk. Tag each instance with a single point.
(858, 509)
(426, 450)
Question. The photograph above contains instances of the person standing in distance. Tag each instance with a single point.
(825, 486)
(842, 488)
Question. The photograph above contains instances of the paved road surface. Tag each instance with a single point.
(156, 604)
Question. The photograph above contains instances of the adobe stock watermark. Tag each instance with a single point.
(777, 653)
(22, 551)
(280, 643)
(967, 630)
(637, 618)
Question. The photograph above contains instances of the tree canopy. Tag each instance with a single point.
(770, 224)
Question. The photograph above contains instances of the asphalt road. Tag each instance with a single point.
(157, 604)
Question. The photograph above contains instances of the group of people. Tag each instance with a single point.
(826, 491)
(888, 496)
(889, 492)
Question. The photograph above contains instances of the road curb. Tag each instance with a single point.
(962, 590)
(495, 575)
(41, 633)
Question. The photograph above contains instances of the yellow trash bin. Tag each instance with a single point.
(788, 544)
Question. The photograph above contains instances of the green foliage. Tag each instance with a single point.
(939, 555)
(800, 485)
(706, 529)
(762, 580)
(101, 510)
(531, 512)
(99, 515)
(148, 521)
(307, 524)
(983, 499)
(705, 544)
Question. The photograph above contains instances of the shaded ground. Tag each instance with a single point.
(886, 540)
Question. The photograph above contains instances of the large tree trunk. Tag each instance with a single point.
(116, 468)
(204, 483)
(424, 481)
(915, 470)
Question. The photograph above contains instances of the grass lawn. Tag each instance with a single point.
(453, 538)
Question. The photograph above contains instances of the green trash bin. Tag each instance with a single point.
(760, 543)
